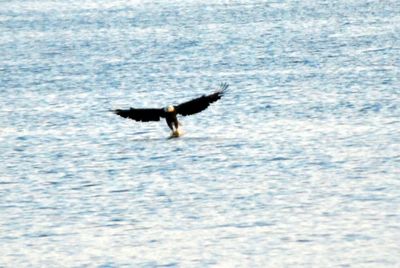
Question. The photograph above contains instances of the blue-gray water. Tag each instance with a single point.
(297, 166)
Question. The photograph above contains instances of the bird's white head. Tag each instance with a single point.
(169, 108)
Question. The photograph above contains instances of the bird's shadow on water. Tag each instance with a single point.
(161, 139)
(176, 139)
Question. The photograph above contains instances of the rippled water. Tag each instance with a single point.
(297, 166)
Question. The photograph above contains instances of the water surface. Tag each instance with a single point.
(297, 166)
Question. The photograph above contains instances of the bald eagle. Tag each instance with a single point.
(170, 112)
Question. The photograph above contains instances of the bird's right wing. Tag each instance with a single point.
(144, 115)
(199, 104)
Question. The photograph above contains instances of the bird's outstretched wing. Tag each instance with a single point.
(144, 115)
(199, 104)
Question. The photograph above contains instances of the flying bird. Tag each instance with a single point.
(170, 112)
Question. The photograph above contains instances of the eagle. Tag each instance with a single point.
(170, 112)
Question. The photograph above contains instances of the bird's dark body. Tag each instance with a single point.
(172, 120)
(170, 112)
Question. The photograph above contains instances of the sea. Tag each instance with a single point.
(297, 165)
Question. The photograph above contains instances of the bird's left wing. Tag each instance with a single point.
(144, 115)
(199, 104)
